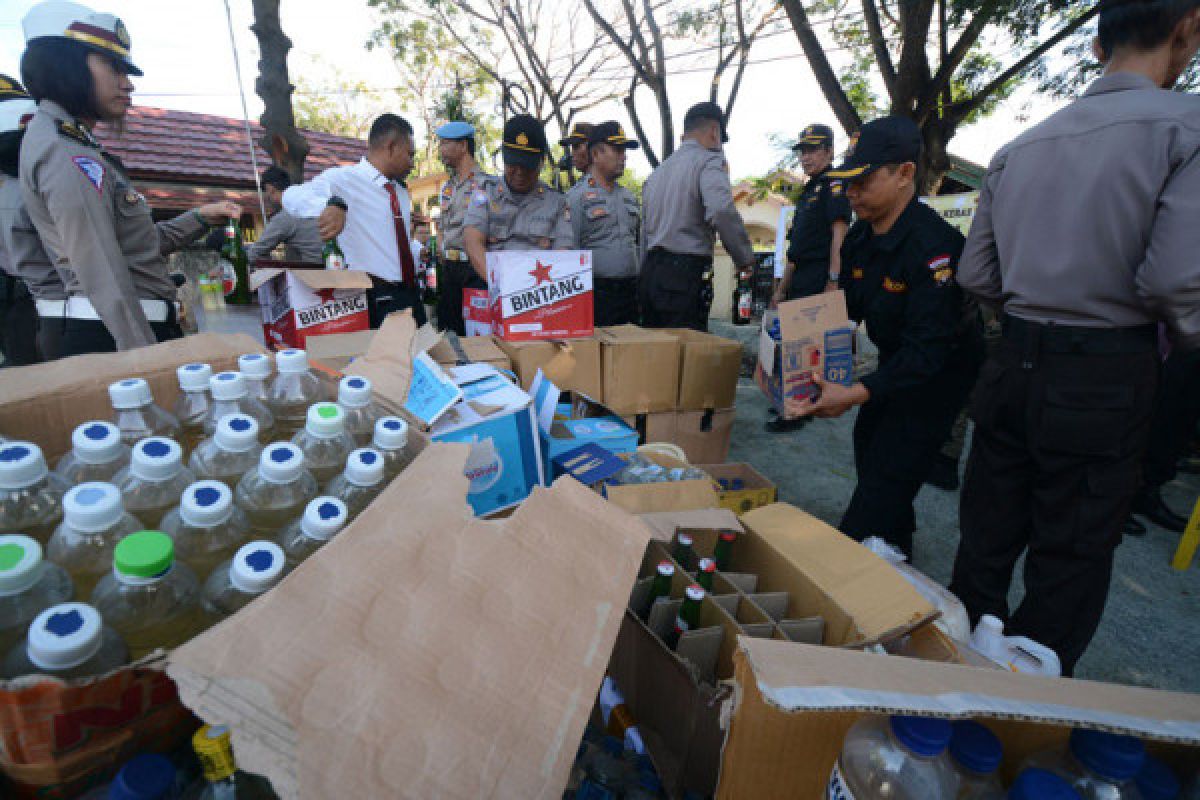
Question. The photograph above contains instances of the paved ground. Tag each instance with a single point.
(1148, 636)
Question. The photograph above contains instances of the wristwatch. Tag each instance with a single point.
(833, 277)
(337, 201)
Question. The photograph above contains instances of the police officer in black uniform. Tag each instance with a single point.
(898, 267)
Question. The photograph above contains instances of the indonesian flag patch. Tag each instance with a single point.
(942, 272)
(92, 170)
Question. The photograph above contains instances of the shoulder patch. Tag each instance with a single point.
(479, 198)
(76, 133)
(92, 170)
(835, 188)
(940, 267)
(894, 286)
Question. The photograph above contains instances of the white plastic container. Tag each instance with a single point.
(154, 480)
(30, 495)
(276, 491)
(898, 758)
(206, 526)
(231, 396)
(324, 441)
(29, 584)
(323, 519)
(391, 439)
(354, 396)
(94, 520)
(193, 404)
(254, 569)
(97, 454)
(1015, 653)
(257, 369)
(292, 391)
(136, 414)
(231, 452)
(361, 482)
(66, 641)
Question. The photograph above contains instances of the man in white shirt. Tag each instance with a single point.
(367, 208)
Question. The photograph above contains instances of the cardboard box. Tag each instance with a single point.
(704, 436)
(540, 294)
(569, 420)
(742, 487)
(794, 704)
(572, 364)
(423, 652)
(338, 350)
(649, 498)
(471, 350)
(788, 570)
(640, 369)
(498, 420)
(298, 303)
(709, 368)
(804, 337)
(477, 312)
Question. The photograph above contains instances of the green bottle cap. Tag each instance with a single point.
(145, 554)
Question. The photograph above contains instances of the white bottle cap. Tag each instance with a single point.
(281, 462)
(291, 361)
(354, 392)
(64, 636)
(228, 386)
(21, 465)
(194, 377)
(391, 433)
(237, 432)
(93, 507)
(20, 563)
(205, 504)
(256, 567)
(256, 365)
(324, 517)
(97, 442)
(364, 467)
(130, 393)
(325, 420)
(156, 458)
(990, 625)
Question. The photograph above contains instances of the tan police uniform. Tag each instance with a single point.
(457, 273)
(538, 220)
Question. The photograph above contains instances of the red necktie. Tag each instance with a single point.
(407, 268)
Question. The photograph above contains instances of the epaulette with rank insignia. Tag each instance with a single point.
(76, 132)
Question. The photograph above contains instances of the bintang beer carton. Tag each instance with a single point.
(298, 303)
(541, 294)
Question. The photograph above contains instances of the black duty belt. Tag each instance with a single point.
(1037, 337)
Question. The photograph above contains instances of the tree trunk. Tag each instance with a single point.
(827, 79)
(935, 155)
(287, 146)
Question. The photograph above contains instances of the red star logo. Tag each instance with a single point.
(541, 273)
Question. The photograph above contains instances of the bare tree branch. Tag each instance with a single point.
(883, 56)
(827, 79)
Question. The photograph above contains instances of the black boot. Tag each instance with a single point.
(781, 425)
(944, 473)
(1149, 504)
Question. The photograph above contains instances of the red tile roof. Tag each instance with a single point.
(178, 146)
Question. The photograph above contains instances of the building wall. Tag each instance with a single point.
(761, 218)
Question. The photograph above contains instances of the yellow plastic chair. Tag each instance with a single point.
(1189, 541)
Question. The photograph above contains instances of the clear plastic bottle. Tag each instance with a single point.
(354, 396)
(29, 585)
(1098, 765)
(899, 758)
(207, 527)
(1157, 781)
(255, 568)
(149, 599)
(69, 640)
(276, 491)
(154, 480)
(1040, 784)
(230, 396)
(97, 454)
(231, 452)
(94, 520)
(222, 778)
(976, 755)
(193, 404)
(256, 369)
(137, 415)
(391, 439)
(30, 495)
(322, 519)
(324, 441)
(361, 481)
(292, 391)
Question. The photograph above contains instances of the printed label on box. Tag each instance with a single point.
(541, 294)
(332, 309)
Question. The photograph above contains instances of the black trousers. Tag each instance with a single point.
(387, 298)
(1061, 423)
(83, 336)
(1175, 417)
(456, 276)
(895, 441)
(808, 279)
(673, 290)
(616, 301)
(19, 326)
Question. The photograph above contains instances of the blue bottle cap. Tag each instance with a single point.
(1109, 755)
(925, 736)
(975, 747)
(1040, 784)
(1156, 781)
(144, 777)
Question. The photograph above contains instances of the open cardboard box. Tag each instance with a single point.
(659, 497)
(704, 436)
(298, 303)
(471, 350)
(640, 369)
(742, 487)
(572, 364)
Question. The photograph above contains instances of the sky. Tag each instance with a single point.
(185, 52)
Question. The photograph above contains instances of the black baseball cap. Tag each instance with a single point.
(524, 142)
(611, 133)
(579, 134)
(706, 111)
(814, 136)
(888, 140)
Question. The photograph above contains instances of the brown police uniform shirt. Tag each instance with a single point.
(21, 252)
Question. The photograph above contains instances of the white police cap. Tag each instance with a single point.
(104, 33)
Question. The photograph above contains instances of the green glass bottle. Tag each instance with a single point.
(683, 552)
(705, 573)
(723, 552)
(235, 274)
(688, 618)
(661, 587)
(333, 256)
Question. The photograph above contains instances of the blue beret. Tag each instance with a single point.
(456, 130)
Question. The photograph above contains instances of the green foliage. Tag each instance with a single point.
(336, 104)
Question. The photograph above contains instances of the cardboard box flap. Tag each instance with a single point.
(261, 275)
(797, 677)
(825, 311)
(423, 652)
(876, 597)
(665, 523)
(388, 362)
(545, 400)
(317, 279)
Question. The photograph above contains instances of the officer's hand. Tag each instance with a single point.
(216, 213)
(331, 222)
(777, 297)
(832, 286)
(833, 399)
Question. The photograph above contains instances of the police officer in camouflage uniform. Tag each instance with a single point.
(686, 199)
(108, 250)
(518, 212)
(605, 217)
(457, 151)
